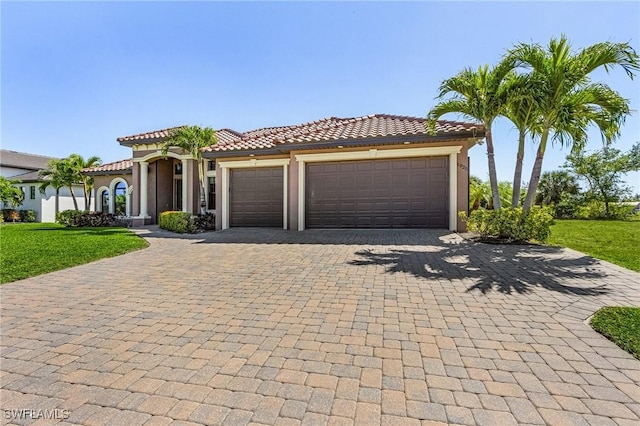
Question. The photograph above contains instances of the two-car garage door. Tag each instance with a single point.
(385, 193)
(394, 193)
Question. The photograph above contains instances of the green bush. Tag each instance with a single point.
(27, 215)
(68, 217)
(73, 218)
(596, 210)
(510, 224)
(180, 222)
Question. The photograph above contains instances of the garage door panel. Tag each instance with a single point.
(398, 193)
(256, 197)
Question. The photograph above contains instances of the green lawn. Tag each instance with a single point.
(32, 249)
(614, 241)
(621, 325)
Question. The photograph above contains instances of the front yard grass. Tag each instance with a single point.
(611, 240)
(621, 325)
(31, 249)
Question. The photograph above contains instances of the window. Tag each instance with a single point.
(120, 194)
(212, 194)
(104, 201)
(32, 192)
(212, 165)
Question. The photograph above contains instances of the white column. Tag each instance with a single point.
(144, 171)
(185, 179)
(285, 198)
(453, 192)
(225, 197)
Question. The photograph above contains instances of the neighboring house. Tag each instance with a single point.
(376, 171)
(25, 168)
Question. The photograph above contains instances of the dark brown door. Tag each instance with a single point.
(255, 197)
(399, 193)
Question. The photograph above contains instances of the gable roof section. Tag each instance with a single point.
(117, 167)
(22, 160)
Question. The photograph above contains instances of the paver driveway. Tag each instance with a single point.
(338, 327)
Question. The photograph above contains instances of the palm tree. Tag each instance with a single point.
(479, 193)
(521, 111)
(479, 95)
(60, 173)
(553, 185)
(192, 139)
(87, 181)
(567, 102)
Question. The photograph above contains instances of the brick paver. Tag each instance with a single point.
(272, 327)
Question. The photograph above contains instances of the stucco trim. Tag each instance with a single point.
(159, 154)
(451, 150)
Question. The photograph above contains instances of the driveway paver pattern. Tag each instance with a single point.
(250, 326)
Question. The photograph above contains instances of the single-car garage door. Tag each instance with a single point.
(255, 197)
(398, 193)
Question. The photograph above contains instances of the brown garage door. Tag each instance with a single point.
(399, 193)
(255, 197)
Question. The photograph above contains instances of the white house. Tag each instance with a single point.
(25, 167)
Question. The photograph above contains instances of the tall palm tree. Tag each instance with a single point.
(59, 173)
(87, 181)
(478, 95)
(567, 102)
(521, 111)
(192, 139)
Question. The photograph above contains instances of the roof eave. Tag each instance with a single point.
(109, 172)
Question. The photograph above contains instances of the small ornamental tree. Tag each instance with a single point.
(9, 193)
(603, 171)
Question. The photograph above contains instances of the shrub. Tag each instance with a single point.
(596, 210)
(73, 218)
(180, 222)
(27, 215)
(511, 224)
(10, 215)
(205, 222)
(68, 217)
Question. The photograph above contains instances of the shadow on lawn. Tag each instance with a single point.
(101, 231)
(504, 268)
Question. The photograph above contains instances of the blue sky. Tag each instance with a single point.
(76, 75)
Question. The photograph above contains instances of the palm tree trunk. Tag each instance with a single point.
(536, 172)
(493, 177)
(73, 197)
(87, 200)
(202, 187)
(57, 208)
(517, 175)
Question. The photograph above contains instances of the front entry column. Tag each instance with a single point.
(185, 186)
(144, 171)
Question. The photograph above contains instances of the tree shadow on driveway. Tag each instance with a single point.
(504, 268)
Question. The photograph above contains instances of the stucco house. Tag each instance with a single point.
(375, 171)
(25, 168)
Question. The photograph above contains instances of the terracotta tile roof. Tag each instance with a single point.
(122, 165)
(337, 129)
(325, 130)
(148, 136)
